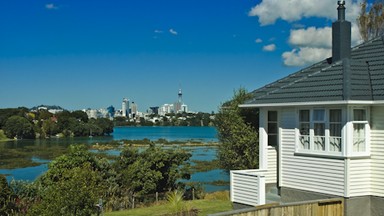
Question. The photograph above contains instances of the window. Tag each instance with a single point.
(304, 124)
(319, 130)
(272, 128)
(335, 130)
(359, 130)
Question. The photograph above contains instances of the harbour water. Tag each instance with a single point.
(41, 160)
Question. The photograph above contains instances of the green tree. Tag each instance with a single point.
(19, 127)
(49, 128)
(73, 184)
(371, 21)
(238, 137)
(105, 125)
(6, 200)
(153, 170)
(80, 115)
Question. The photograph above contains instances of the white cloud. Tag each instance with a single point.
(51, 6)
(158, 31)
(268, 11)
(258, 40)
(305, 56)
(269, 48)
(318, 40)
(314, 37)
(173, 32)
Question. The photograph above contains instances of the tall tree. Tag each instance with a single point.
(371, 21)
(239, 145)
(19, 127)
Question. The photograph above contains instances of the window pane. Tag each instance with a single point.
(272, 116)
(319, 143)
(335, 144)
(335, 129)
(359, 115)
(358, 137)
(272, 139)
(272, 128)
(304, 116)
(318, 115)
(304, 129)
(305, 142)
(335, 115)
(319, 129)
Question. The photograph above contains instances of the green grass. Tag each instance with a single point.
(205, 207)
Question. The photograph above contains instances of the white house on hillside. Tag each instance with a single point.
(322, 131)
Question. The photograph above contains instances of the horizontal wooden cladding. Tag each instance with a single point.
(329, 207)
(271, 173)
(377, 152)
(246, 188)
(322, 175)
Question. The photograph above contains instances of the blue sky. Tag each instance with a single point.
(91, 54)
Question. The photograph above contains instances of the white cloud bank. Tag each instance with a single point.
(311, 44)
(269, 11)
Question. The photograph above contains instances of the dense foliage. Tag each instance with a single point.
(79, 180)
(238, 137)
(371, 20)
(21, 123)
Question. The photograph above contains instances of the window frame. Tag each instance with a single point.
(325, 120)
(276, 122)
(367, 150)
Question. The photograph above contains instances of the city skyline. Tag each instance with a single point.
(92, 54)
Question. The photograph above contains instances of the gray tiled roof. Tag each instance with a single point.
(358, 78)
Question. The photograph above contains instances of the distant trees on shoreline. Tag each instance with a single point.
(20, 123)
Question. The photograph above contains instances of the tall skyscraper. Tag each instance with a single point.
(134, 109)
(125, 107)
(179, 102)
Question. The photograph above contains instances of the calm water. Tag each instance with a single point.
(205, 134)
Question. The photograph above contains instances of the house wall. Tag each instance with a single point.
(316, 174)
(377, 151)
(270, 175)
(359, 177)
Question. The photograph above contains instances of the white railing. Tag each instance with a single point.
(248, 187)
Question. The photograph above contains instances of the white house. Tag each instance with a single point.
(322, 131)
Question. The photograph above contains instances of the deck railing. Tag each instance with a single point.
(248, 187)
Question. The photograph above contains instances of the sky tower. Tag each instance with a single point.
(180, 96)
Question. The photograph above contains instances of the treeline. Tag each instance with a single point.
(170, 119)
(82, 183)
(21, 123)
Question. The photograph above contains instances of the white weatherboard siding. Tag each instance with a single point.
(247, 188)
(359, 177)
(377, 151)
(271, 173)
(322, 175)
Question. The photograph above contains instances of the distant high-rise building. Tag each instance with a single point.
(154, 110)
(134, 110)
(111, 111)
(125, 107)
